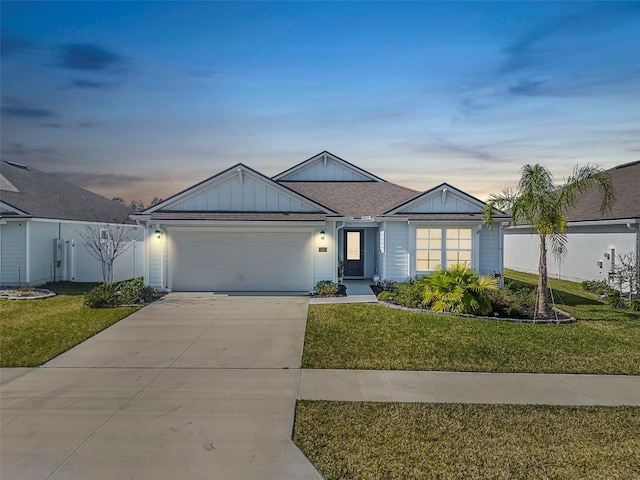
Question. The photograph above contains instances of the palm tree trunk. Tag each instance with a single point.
(542, 279)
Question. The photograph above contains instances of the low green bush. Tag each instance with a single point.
(134, 291)
(598, 287)
(635, 304)
(409, 293)
(102, 296)
(616, 301)
(326, 287)
(384, 296)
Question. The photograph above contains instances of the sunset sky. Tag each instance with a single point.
(143, 99)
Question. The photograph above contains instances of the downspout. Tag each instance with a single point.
(501, 253)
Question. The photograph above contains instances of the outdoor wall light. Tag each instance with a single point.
(322, 234)
(158, 233)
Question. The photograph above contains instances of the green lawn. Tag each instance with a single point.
(370, 336)
(437, 441)
(34, 331)
(572, 298)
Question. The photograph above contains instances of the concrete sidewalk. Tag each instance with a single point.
(460, 387)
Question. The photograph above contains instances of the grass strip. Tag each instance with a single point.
(35, 331)
(439, 441)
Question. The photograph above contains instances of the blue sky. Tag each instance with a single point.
(143, 99)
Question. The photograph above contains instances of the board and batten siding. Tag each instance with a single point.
(397, 251)
(13, 254)
(451, 204)
(246, 194)
(331, 172)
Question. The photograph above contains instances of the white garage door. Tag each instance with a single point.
(240, 261)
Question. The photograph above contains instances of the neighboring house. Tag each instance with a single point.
(42, 219)
(242, 231)
(594, 240)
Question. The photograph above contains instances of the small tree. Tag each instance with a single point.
(626, 272)
(105, 243)
(540, 204)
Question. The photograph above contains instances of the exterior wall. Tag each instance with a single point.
(42, 268)
(586, 248)
(13, 253)
(490, 260)
(154, 257)
(397, 251)
(251, 194)
(370, 251)
(449, 203)
(317, 171)
(324, 263)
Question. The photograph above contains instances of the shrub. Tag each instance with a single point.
(102, 296)
(598, 287)
(409, 293)
(384, 296)
(326, 287)
(515, 311)
(635, 304)
(616, 301)
(134, 292)
(459, 289)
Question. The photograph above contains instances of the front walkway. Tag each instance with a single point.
(462, 387)
(358, 291)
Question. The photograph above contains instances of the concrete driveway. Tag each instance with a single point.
(193, 386)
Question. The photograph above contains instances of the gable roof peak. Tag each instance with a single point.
(326, 167)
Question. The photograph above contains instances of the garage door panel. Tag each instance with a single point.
(240, 261)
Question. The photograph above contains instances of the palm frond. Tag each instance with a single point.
(585, 178)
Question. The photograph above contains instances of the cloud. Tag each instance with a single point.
(21, 111)
(91, 85)
(20, 149)
(87, 57)
(11, 44)
(97, 179)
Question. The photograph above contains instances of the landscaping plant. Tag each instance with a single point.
(539, 203)
(459, 289)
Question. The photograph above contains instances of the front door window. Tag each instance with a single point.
(354, 252)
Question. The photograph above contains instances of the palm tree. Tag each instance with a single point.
(539, 203)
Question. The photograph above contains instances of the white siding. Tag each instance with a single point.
(397, 251)
(154, 248)
(252, 194)
(436, 202)
(318, 171)
(13, 253)
(370, 251)
(324, 263)
(586, 248)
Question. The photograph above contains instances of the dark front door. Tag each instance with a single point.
(353, 253)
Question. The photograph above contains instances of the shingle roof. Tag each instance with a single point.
(626, 181)
(44, 196)
(355, 198)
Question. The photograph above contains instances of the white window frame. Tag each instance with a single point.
(475, 254)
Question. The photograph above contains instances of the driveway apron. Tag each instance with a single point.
(193, 386)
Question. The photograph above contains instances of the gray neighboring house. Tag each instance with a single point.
(242, 231)
(594, 240)
(41, 222)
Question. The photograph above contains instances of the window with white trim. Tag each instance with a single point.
(437, 247)
(458, 247)
(428, 249)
